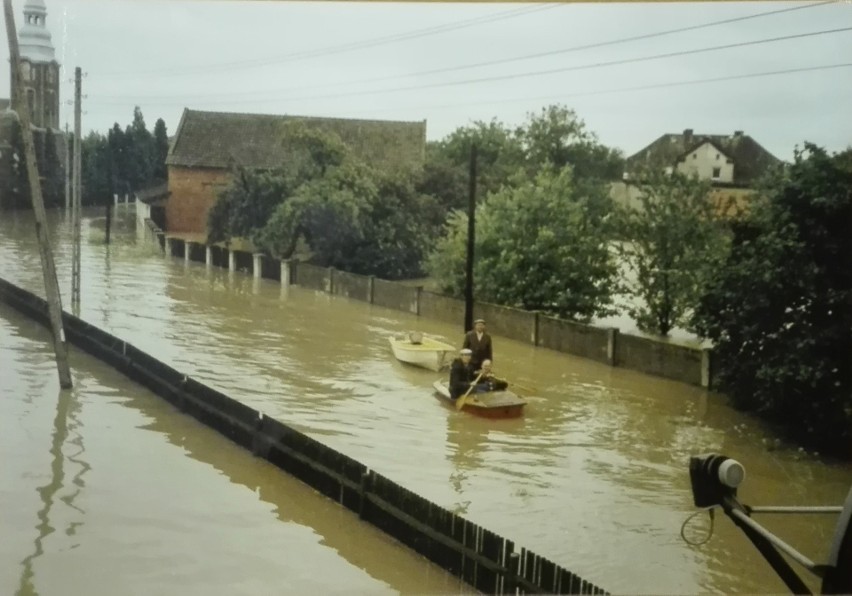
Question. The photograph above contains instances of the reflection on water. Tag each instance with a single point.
(158, 517)
(593, 477)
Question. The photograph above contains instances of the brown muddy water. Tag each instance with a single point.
(594, 476)
(107, 490)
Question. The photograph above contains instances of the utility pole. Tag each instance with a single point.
(51, 284)
(67, 171)
(471, 232)
(75, 210)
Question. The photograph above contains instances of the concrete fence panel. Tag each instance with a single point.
(351, 285)
(441, 308)
(513, 323)
(573, 338)
(660, 358)
(395, 296)
(312, 277)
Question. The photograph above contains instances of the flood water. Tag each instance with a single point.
(593, 477)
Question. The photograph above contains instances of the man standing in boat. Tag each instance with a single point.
(461, 374)
(478, 342)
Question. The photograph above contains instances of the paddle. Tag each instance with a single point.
(460, 401)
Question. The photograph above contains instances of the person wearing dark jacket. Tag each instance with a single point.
(461, 374)
(478, 342)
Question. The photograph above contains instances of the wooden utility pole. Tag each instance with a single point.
(471, 232)
(75, 210)
(51, 284)
(67, 171)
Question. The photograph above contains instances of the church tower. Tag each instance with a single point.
(40, 68)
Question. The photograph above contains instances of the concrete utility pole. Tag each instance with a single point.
(51, 284)
(77, 203)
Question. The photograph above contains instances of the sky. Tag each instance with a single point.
(412, 61)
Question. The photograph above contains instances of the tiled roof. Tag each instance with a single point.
(153, 194)
(217, 139)
(750, 159)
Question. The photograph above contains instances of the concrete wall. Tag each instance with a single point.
(573, 338)
(659, 358)
(193, 193)
(652, 356)
(313, 277)
(441, 308)
(395, 296)
(351, 285)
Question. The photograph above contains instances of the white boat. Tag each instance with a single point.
(419, 350)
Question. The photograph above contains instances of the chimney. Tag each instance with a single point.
(738, 133)
(687, 136)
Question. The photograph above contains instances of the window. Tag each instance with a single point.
(694, 156)
(717, 172)
(717, 157)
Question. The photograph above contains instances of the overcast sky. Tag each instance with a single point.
(282, 57)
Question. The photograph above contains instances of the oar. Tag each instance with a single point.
(524, 388)
(460, 401)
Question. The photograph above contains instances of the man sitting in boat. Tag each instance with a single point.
(461, 374)
(488, 382)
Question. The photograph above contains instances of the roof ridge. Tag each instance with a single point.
(303, 116)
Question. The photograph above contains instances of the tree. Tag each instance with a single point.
(121, 160)
(541, 244)
(142, 150)
(780, 311)
(499, 154)
(96, 170)
(161, 144)
(558, 136)
(672, 242)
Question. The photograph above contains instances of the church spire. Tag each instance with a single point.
(34, 38)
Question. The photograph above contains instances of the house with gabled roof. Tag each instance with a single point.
(208, 145)
(735, 160)
(732, 163)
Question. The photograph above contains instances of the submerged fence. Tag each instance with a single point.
(648, 355)
(488, 562)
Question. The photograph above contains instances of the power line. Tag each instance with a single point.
(554, 52)
(605, 91)
(627, 89)
(153, 99)
(352, 46)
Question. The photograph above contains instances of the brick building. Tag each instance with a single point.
(207, 145)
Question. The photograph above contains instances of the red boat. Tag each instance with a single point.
(492, 404)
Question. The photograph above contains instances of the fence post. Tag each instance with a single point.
(611, 340)
(536, 328)
(187, 246)
(365, 487)
(285, 273)
(257, 264)
(706, 371)
(418, 292)
(329, 282)
(208, 255)
(371, 287)
(232, 260)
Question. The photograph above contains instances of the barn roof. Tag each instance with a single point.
(220, 139)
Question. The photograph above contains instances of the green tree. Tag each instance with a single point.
(96, 170)
(499, 156)
(121, 159)
(541, 244)
(161, 144)
(780, 311)
(558, 136)
(142, 149)
(671, 242)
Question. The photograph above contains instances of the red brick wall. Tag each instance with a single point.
(193, 192)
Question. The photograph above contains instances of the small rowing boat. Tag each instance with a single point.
(423, 351)
(493, 404)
